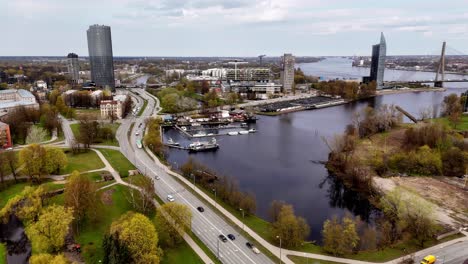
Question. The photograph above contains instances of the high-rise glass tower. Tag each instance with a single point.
(100, 56)
(379, 53)
(73, 67)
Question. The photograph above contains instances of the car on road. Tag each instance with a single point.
(170, 198)
(251, 246)
(200, 209)
(231, 236)
(137, 133)
(157, 178)
(223, 238)
(429, 259)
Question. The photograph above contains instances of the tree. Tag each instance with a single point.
(55, 160)
(292, 230)
(32, 159)
(80, 195)
(452, 108)
(142, 199)
(115, 252)
(36, 135)
(88, 129)
(340, 238)
(138, 234)
(127, 106)
(11, 161)
(454, 162)
(248, 203)
(48, 233)
(45, 258)
(173, 220)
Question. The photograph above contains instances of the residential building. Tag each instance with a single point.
(73, 67)
(13, 98)
(100, 56)
(379, 53)
(219, 73)
(111, 107)
(249, 74)
(3, 77)
(287, 72)
(5, 136)
(41, 85)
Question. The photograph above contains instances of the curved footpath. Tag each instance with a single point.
(460, 242)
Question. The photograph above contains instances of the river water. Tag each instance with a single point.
(17, 243)
(279, 162)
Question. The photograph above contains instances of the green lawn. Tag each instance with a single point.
(94, 176)
(143, 107)
(463, 126)
(303, 260)
(76, 132)
(3, 253)
(118, 161)
(180, 255)
(91, 234)
(82, 162)
(10, 192)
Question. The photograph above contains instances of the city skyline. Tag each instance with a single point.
(220, 28)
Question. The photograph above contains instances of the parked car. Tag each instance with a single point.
(170, 198)
(223, 238)
(231, 236)
(429, 259)
(200, 209)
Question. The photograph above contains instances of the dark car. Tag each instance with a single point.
(249, 245)
(223, 238)
(231, 236)
(200, 209)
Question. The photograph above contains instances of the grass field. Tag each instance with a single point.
(113, 142)
(302, 260)
(94, 176)
(145, 103)
(82, 162)
(10, 192)
(118, 161)
(180, 255)
(3, 253)
(463, 126)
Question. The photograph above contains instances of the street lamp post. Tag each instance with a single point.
(214, 190)
(242, 218)
(193, 176)
(280, 247)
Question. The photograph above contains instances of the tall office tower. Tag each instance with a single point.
(379, 53)
(287, 73)
(100, 56)
(73, 67)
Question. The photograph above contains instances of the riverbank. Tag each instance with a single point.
(409, 90)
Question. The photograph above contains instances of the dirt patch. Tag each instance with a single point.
(106, 197)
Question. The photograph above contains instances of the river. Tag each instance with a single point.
(279, 162)
(17, 243)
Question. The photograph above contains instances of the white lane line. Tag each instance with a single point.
(208, 221)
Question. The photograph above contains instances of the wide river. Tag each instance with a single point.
(279, 162)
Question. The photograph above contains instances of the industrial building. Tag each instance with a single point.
(100, 56)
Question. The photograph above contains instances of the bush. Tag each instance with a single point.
(424, 161)
(454, 162)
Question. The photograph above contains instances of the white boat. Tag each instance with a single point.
(184, 128)
(172, 143)
(210, 134)
(252, 130)
(199, 134)
(244, 132)
(233, 133)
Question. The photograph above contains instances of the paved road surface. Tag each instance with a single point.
(207, 225)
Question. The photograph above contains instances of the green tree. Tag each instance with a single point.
(340, 238)
(292, 230)
(48, 233)
(138, 234)
(36, 135)
(452, 108)
(454, 162)
(32, 160)
(55, 160)
(80, 195)
(45, 258)
(173, 220)
(115, 252)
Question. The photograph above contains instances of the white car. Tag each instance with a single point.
(170, 198)
(255, 250)
(137, 133)
(157, 178)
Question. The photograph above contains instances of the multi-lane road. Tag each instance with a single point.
(207, 225)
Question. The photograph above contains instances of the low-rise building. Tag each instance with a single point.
(5, 136)
(14, 98)
(41, 85)
(111, 108)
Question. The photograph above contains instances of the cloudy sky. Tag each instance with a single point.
(234, 27)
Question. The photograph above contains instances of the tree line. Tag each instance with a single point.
(347, 90)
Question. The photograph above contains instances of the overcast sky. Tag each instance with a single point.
(234, 27)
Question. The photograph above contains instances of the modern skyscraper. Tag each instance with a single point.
(73, 67)
(379, 53)
(100, 56)
(287, 72)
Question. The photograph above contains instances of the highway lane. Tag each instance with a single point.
(455, 253)
(207, 225)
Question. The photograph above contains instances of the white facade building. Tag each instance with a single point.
(12, 98)
(111, 107)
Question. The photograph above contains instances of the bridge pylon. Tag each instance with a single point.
(441, 69)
